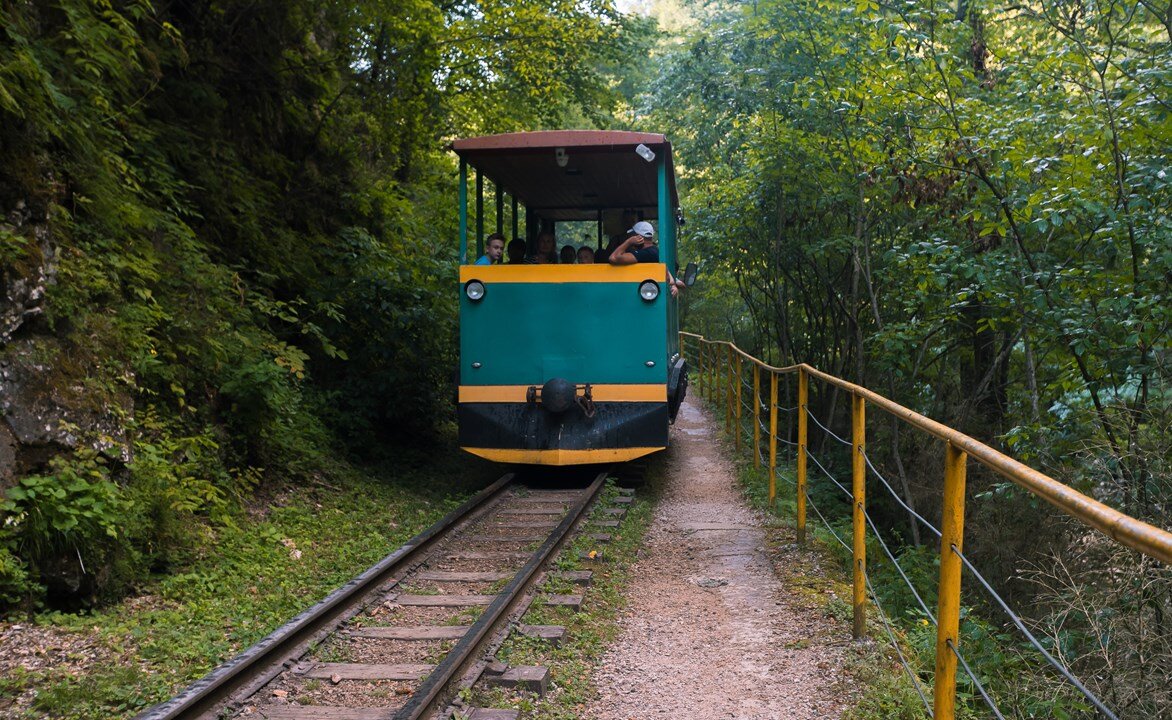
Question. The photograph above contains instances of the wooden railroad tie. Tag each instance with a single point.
(418, 632)
(365, 671)
(578, 577)
(607, 523)
(512, 524)
(571, 601)
(489, 555)
(534, 678)
(530, 511)
(450, 576)
(319, 712)
(553, 633)
(615, 512)
(444, 600)
(505, 538)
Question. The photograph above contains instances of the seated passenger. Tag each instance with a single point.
(639, 247)
(494, 250)
(517, 251)
(568, 255)
(546, 252)
(585, 255)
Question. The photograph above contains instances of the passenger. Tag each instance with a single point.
(517, 251)
(639, 247)
(568, 255)
(494, 250)
(585, 255)
(546, 252)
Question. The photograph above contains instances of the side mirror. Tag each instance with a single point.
(690, 274)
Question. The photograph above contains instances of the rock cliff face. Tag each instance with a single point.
(24, 292)
(43, 411)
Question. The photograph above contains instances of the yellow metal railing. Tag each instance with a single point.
(719, 369)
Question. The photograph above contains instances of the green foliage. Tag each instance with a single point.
(251, 212)
(77, 499)
(963, 207)
(244, 579)
(74, 510)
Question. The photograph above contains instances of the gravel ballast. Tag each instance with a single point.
(712, 630)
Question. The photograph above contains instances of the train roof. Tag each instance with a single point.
(602, 171)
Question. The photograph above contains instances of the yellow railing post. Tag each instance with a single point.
(728, 395)
(710, 363)
(803, 391)
(701, 352)
(756, 415)
(713, 386)
(858, 482)
(702, 373)
(740, 384)
(708, 371)
(948, 609)
(772, 437)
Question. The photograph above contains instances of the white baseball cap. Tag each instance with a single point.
(644, 229)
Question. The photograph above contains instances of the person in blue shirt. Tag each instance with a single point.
(494, 250)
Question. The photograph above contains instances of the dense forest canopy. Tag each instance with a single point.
(964, 206)
(226, 246)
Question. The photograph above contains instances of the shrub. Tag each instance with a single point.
(75, 510)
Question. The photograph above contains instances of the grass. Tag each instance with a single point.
(255, 573)
(590, 630)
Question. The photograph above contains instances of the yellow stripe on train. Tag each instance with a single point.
(600, 273)
(562, 457)
(656, 392)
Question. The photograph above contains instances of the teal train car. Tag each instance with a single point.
(567, 364)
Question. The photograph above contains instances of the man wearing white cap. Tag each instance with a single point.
(639, 247)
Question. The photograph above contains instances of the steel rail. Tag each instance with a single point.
(268, 656)
(427, 696)
(1134, 533)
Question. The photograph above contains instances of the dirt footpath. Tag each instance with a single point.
(711, 630)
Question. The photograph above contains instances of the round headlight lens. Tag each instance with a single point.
(649, 290)
(474, 289)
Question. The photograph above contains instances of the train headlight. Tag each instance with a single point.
(474, 289)
(649, 290)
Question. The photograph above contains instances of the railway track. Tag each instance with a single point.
(401, 640)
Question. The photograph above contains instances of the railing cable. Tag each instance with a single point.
(898, 499)
(826, 472)
(973, 676)
(1033, 640)
(825, 522)
(899, 569)
(895, 644)
(828, 430)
